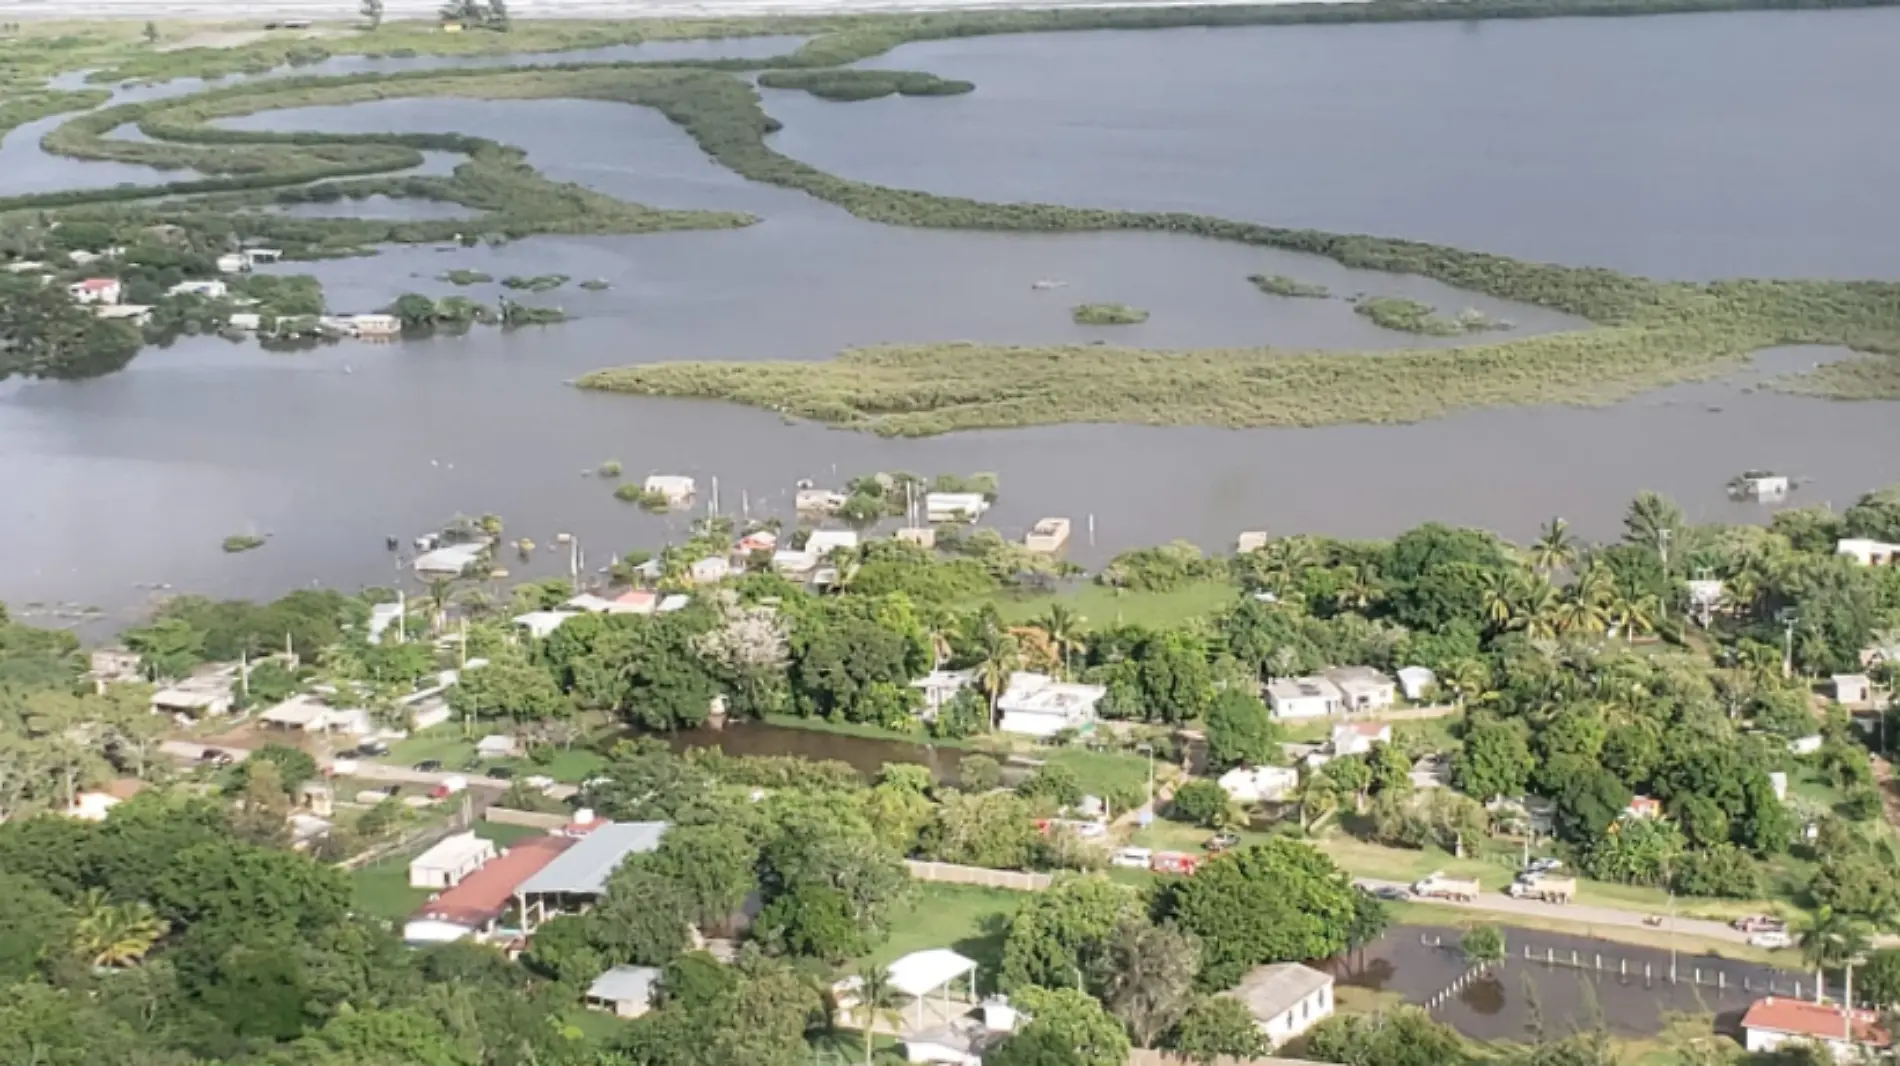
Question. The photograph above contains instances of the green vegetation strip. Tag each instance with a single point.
(862, 84)
(1108, 315)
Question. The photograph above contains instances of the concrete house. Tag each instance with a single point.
(676, 488)
(95, 291)
(1853, 689)
(1868, 552)
(1260, 784)
(1037, 705)
(1304, 697)
(940, 507)
(449, 861)
(233, 263)
(1285, 999)
(1847, 1035)
(1357, 738)
(1362, 688)
(964, 1041)
(1417, 683)
(941, 686)
(625, 991)
(210, 290)
(475, 907)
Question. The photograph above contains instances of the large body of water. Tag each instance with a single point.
(133, 480)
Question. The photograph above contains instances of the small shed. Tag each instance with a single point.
(932, 970)
(1853, 689)
(1285, 999)
(627, 991)
(1416, 682)
(450, 860)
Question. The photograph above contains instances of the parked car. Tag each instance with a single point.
(1392, 892)
(1220, 842)
(372, 748)
(429, 766)
(1133, 858)
(1773, 939)
(216, 757)
(1543, 866)
(1760, 923)
(501, 772)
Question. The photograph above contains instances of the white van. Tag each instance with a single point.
(1135, 858)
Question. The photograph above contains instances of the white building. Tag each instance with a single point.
(210, 290)
(1304, 697)
(1868, 552)
(540, 623)
(954, 506)
(308, 714)
(1037, 705)
(1357, 738)
(248, 321)
(1416, 682)
(941, 686)
(449, 861)
(496, 746)
(1853, 688)
(233, 263)
(627, 991)
(95, 291)
(676, 488)
(1260, 784)
(92, 806)
(1776, 1020)
(137, 314)
(823, 542)
(1048, 536)
(818, 501)
(710, 570)
(1362, 688)
(201, 695)
(964, 1041)
(1285, 999)
(451, 560)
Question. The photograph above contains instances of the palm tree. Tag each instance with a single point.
(1579, 615)
(1831, 940)
(877, 1001)
(114, 935)
(1534, 608)
(1063, 628)
(1554, 550)
(1318, 798)
(998, 658)
(1742, 591)
(1360, 591)
(1465, 679)
(1497, 591)
(1634, 615)
(1649, 520)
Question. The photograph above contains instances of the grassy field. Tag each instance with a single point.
(447, 745)
(965, 918)
(1102, 605)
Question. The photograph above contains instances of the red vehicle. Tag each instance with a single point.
(1174, 862)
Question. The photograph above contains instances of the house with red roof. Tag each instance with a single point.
(95, 291)
(1777, 1020)
(476, 905)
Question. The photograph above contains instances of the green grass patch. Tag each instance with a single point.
(465, 277)
(1103, 606)
(537, 283)
(965, 918)
(847, 85)
(1108, 315)
(381, 889)
(242, 542)
(1281, 285)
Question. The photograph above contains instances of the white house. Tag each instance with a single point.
(709, 571)
(964, 1041)
(137, 314)
(1868, 552)
(309, 714)
(1853, 688)
(818, 501)
(627, 991)
(202, 695)
(1037, 705)
(1776, 1020)
(1416, 682)
(540, 623)
(1304, 697)
(1260, 784)
(676, 488)
(210, 290)
(1778, 780)
(450, 860)
(496, 746)
(941, 686)
(823, 542)
(248, 321)
(95, 291)
(1285, 999)
(450, 561)
(1357, 738)
(954, 506)
(233, 263)
(1362, 688)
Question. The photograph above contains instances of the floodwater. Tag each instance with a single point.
(1691, 146)
(131, 481)
(1566, 984)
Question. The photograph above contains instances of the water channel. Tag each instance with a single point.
(111, 486)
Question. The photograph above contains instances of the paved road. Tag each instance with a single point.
(1582, 913)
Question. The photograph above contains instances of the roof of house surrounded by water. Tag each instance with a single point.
(1798, 1017)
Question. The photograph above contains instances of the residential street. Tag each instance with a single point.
(1501, 904)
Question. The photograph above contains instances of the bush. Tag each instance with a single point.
(1201, 803)
(1724, 871)
(1108, 315)
(1055, 784)
(978, 773)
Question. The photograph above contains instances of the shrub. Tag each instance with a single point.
(1201, 803)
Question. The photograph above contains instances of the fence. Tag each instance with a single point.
(951, 873)
(532, 819)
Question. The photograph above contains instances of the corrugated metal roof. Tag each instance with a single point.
(584, 869)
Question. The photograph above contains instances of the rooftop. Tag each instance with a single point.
(921, 972)
(1375, 730)
(454, 851)
(584, 870)
(1798, 1017)
(483, 895)
(625, 984)
(1297, 688)
(1356, 675)
(1041, 694)
(1269, 991)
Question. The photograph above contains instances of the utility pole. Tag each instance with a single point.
(1662, 549)
(1788, 619)
(1150, 749)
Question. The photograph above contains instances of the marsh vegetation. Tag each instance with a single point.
(1281, 285)
(1107, 315)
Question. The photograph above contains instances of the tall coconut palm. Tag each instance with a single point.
(1578, 615)
(1063, 626)
(1497, 590)
(1534, 608)
(1465, 679)
(114, 935)
(1831, 940)
(1650, 520)
(1634, 615)
(1555, 549)
(877, 1002)
(1360, 591)
(997, 658)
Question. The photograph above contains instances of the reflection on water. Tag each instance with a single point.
(1568, 984)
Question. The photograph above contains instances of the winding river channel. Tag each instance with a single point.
(1690, 147)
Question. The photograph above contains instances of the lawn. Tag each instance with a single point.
(965, 918)
(382, 889)
(1104, 606)
(446, 745)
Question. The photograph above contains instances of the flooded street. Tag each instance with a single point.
(116, 490)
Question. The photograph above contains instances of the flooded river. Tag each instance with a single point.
(130, 481)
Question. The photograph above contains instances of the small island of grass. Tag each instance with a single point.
(596, 284)
(1109, 315)
(537, 283)
(1411, 316)
(636, 493)
(242, 542)
(848, 85)
(610, 468)
(466, 277)
(1281, 285)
